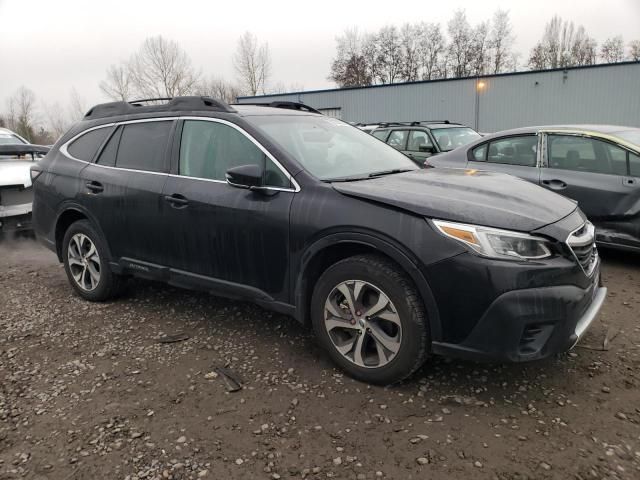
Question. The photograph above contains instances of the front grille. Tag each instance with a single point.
(582, 244)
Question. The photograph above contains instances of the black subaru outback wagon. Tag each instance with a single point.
(311, 217)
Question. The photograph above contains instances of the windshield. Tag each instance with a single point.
(632, 136)
(454, 137)
(329, 148)
(9, 139)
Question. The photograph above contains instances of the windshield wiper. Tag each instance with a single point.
(344, 179)
(389, 172)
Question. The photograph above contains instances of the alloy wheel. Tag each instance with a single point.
(84, 262)
(362, 323)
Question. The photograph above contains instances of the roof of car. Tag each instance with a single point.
(602, 129)
(192, 105)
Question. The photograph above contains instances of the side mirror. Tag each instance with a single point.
(426, 148)
(245, 176)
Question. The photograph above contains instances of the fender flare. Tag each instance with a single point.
(71, 205)
(386, 246)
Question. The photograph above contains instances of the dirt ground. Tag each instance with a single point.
(88, 392)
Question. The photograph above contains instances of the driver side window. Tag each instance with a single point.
(209, 149)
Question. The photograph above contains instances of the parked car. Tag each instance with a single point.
(596, 165)
(311, 217)
(421, 140)
(16, 158)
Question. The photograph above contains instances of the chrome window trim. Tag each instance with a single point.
(296, 187)
(64, 149)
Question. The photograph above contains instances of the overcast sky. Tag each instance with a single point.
(54, 46)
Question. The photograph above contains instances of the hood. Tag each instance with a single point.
(468, 196)
(15, 172)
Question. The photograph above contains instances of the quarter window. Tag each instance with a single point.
(209, 149)
(86, 146)
(514, 151)
(380, 134)
(584, 154)
(419, 141)
(143, 146)
(398, 139)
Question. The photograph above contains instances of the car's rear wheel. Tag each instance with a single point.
(86, 263)
(367, 314)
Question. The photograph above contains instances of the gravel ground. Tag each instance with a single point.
(87, 391)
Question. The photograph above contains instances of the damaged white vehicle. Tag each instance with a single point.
(16, 196)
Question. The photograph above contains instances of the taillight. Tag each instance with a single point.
(35, 173)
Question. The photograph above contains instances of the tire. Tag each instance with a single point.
(78, 257)
(369, 279)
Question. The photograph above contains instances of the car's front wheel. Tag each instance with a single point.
(368, 315)
(86, 263)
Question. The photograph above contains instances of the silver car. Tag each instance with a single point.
(596, 165)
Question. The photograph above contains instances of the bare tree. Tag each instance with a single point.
(389, 61)
(563, 45)
(56, 119)
(634, 50)
(219, 89)
(118, 86)
(22, 113)
(612, 50)
(77, 106)
(252, 64)
(460, 45)
(410, 51)
(479, 49)
(501, 41)
(431, 49)
(350, 67)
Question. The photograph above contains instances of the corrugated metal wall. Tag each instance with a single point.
(601, 94)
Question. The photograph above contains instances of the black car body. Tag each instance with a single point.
(388, 264)
(596, 165)
(421, 140)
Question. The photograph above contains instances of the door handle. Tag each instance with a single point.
(94, 187)
(555, 184)
(629, 181)
(176, 200)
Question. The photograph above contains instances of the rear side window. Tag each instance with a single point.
(514, 151)
(419, 141)
(86, 146)
(398, 139)
(209, 149)
(143, 146)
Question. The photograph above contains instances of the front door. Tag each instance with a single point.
(232, 237)
(597, 174)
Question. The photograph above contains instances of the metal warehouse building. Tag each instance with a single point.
(593, 94)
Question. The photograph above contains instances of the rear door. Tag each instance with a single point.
(123, 190)
(398, 139)
(596, 173)
(516, 155)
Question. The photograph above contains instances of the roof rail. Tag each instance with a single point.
(415, 123)
(282, 104)
(171, 104)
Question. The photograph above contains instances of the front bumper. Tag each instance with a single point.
(531, 323)
(15, 223)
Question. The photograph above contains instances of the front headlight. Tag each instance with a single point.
(496, 243)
